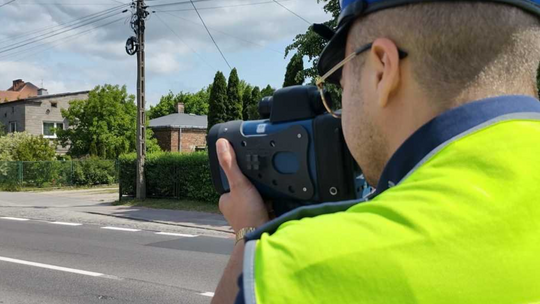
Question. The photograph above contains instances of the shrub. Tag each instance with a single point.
(177, 175)
(94, 171)
(22, 146)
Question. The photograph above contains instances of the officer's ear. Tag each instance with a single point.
(384, 57)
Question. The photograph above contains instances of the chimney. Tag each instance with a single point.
(42, 92)
(17, 84)
(180, 107)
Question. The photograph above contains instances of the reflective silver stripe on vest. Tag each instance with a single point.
(249, 272)
(507, 117)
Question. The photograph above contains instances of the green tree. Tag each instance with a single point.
(197, 103)
(253, 107)
(22, 146)
(311, 45)
(246, 99)
(166, 105)
(217, 113)
(104, 125)
(294, 75)
(234, 99)
(268, 91)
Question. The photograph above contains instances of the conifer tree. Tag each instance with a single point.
(246, 99)
(234, 100)
(217, 112)
(253, 108)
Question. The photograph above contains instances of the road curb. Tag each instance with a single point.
(187, 225)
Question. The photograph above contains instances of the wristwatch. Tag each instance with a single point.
(242, 233)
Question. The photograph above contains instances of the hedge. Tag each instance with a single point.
(42, 174)
(173, 175)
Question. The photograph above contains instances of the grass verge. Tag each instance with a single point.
(63, 188)
(171, 204)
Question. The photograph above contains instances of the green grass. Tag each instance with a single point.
(72, 188)
(171, 204)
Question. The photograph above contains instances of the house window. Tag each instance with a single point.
(12, 127)
(54, 104)
(49, 129)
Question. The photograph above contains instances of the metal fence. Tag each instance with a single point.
(58, 173)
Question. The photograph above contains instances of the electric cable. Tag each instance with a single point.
(60, 41)
(290, 11)
(4, 4)
(226, 34)
(210, 34)
(70, 23)
(185, 43)
(218, 7)
(32, 40)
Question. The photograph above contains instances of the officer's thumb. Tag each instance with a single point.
(227, 160)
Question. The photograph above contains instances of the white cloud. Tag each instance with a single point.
(79, 60)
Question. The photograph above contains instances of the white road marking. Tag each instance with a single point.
(207, 294)
(52, 267)
(65, 224)
(177, 234)
(121, 229)
(14, 219)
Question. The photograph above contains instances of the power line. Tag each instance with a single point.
(60, 41)
(218, 7)
(210, 34)
(310, 23)
(70, 23)
(226, 34)
(33, 40)
(180, 3)
(7, 3)
(180, 38)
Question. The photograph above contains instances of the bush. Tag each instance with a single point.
(176, 175)
(94, 171)
(89, 172)
(22, 146)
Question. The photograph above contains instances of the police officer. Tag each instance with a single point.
(440, 110)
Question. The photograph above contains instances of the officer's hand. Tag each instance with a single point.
(243, 206)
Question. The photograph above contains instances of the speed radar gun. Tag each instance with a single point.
(295, 156)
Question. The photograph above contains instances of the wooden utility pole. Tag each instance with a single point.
(141, 117)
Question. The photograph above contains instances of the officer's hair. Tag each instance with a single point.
(459, 49)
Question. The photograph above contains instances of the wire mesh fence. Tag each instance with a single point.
(45, 174)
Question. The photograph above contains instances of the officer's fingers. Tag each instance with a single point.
(227, 160)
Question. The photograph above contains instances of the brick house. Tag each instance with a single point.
(19, 90)
(180, 132)
(37, 114)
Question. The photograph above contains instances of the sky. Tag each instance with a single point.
(38, 43)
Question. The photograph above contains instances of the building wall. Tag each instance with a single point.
(192, 138)
(167, 138)
(42, 110)
(174, 140)
(32, 113)
(13, 113)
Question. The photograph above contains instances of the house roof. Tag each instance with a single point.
(180, 120)
(25, 90)
(37, 98)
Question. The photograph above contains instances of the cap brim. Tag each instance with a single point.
(333, 54)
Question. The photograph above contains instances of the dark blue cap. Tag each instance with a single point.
(334, 52)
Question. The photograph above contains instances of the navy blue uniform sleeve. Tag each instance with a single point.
(240, 297)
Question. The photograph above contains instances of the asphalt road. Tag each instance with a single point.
(45, 262)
